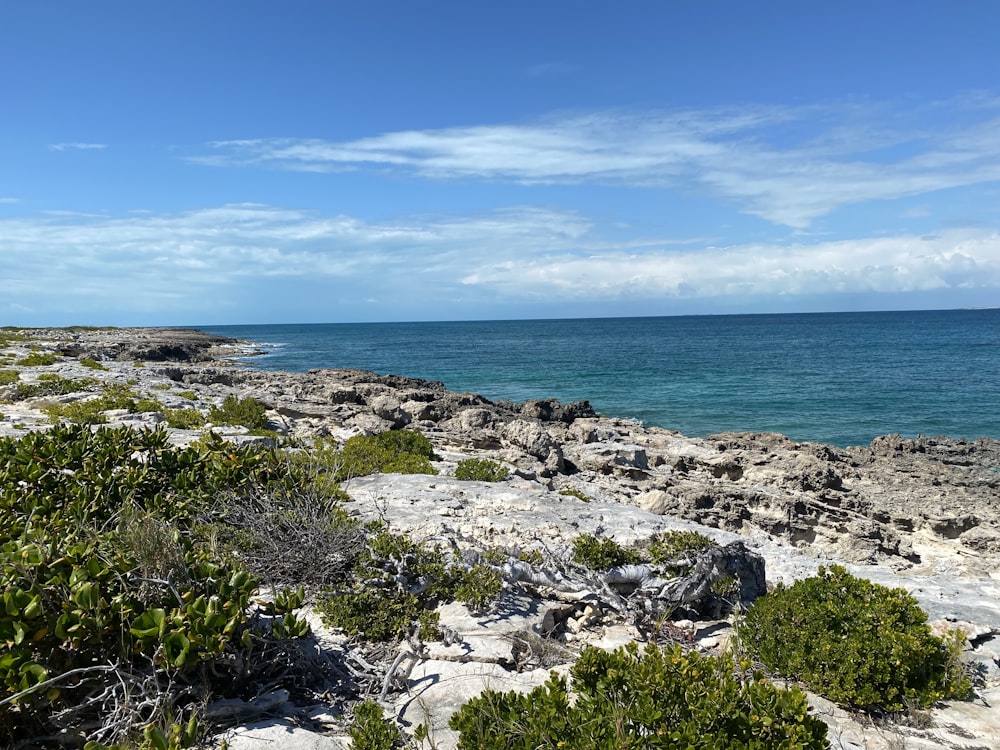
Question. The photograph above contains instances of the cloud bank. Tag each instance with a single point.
(203, 261)
(786, 165)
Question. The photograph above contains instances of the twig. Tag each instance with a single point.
(54, 680)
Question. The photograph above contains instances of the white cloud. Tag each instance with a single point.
(786, 165)
(8, 200)
(205, 259)
(888, 265)
(77, 146)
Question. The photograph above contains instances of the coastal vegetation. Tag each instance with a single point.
(481, 470)
(644, 698)
(859, 644)
(141, 581)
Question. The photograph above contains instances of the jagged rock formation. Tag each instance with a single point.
(922, 513)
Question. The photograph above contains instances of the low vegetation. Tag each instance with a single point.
(37, 359)
(858, 643)
(481, 470)
(643, 699)
(115, 616)
(92, 363)
(91, 411)
(393, 452)
(240, 412)
(601, 554)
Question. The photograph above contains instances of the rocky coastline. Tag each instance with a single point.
(918, 513)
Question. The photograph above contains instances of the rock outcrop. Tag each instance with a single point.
(922, 513)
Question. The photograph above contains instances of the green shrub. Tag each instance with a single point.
(481, 470)
(92, 363)
(50, 384)
(650, 699)
(9, 376)
(393, 452)
(394, 584)
(37, 359)
(857, 643)
(98, 567)
(672, 545)
(91, 411)
(601, 554)
(240, 412)
(574, 492)
(479, 588)
(184, 419)
(370, 730)
(189, 395)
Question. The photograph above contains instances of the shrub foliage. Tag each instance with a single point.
(858, 643)
(110, 610)
(393, 452)
(650, 699)
(481, 470)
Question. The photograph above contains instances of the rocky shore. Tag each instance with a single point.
(920, 513)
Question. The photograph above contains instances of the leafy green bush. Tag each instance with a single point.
(395, 583)
(9, 376)
(858, 643)
(653, 699)
(573, 492)
(98, 567)
(91, 411)
(240, 412)
(370, 730)
(50, 384)
(393, 452)
(37, 359)
(104, 591)
(92, 363)
(479, 588)
(481, 470)
(184, 419)
(671, 545)
(601, 554)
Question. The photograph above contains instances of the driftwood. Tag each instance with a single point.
(617, 585)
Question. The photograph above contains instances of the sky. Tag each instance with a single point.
(232, 162)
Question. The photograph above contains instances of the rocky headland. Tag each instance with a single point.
(919, 513)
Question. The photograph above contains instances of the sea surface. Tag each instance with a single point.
(839, 378)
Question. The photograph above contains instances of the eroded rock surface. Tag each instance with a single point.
(921, 513)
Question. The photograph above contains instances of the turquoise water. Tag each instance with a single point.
(840, 378)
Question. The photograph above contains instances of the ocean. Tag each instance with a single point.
(838, 378)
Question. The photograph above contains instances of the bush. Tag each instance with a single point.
(92, 363)
(653, 699)
(370, 730)
(50, 384)
(574, 492)
(113, 617)
(601, 554)
(9, 376)
(857, 643)
(393, 452)
(481, 470)
(395, 584)
(115, 396)
(240, 412)
(673, 545)
(37, 359)
(184, 419)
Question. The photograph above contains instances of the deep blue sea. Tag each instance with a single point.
(840, 378)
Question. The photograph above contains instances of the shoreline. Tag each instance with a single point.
(917, 513)
(727, 480)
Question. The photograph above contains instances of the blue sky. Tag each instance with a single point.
(255, 162)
